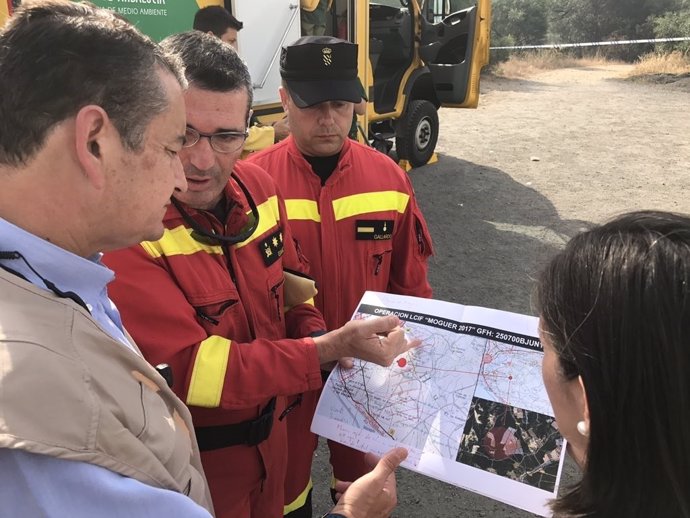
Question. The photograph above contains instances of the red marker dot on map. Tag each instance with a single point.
(402, 362)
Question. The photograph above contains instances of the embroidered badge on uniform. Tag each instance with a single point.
(327, 54)
(373, 229)
(271, 248)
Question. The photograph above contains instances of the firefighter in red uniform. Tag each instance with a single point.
(352, 210)
(222, 298)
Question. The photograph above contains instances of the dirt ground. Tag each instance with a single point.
(539, 160)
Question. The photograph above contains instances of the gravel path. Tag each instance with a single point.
(540, 159)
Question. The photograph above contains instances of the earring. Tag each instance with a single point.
(583, 428)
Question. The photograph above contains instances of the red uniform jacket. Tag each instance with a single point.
(216, 315)
(360, 231)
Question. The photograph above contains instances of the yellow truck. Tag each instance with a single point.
(414, 56)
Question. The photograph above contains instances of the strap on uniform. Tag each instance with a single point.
(248, 433)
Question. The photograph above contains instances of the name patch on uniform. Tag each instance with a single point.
(373, 229)
(272, 247)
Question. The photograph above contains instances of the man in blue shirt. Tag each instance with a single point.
(91, 120)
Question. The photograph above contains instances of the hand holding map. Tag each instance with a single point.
(374, 494)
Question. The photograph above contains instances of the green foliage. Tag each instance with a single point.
(574, 21)
(672, 25)
(524, 21)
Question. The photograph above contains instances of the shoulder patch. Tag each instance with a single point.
(271, 247)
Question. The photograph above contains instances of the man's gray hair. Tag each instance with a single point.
(57, 56)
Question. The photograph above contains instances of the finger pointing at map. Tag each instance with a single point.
(376, 340)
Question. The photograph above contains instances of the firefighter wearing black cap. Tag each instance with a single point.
(353, 214)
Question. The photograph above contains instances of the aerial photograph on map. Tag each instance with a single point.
(519, 444)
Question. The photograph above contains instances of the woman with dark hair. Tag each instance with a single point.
(615, 324)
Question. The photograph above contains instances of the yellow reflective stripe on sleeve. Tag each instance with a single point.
(369, 202)
(299, 501)
(178, 241)
(303, 210)
(268, 218)
(208, 375)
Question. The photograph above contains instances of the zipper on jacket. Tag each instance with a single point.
(204, 316)
(300, 255)
(228, 263)
(379, 261)
(274, 290)
(213, 224)
(297, 402)
(421, 246)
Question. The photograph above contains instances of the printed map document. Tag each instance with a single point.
(469, 403)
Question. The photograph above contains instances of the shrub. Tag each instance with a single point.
(672, 25)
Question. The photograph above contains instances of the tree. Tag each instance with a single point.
(672, 25)
(577, 21)
(522, 21)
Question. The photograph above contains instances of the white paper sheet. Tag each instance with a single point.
(469, 404)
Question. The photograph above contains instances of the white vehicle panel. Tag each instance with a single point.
(268, 26)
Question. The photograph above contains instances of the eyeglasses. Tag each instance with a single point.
(222, 142)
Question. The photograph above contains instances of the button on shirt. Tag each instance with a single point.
(39, 485)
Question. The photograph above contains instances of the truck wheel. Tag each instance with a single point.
(417, 133)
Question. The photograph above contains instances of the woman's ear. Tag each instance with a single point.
(582, 400)
(91, 124)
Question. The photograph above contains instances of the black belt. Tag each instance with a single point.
(249, 433)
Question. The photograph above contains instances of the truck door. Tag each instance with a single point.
(455, 46)
(391, 50)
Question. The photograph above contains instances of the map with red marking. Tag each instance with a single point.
(468, 404)
(421, 401)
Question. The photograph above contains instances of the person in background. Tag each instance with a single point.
(218, 21)
(360, 108)
(91, 121)
(314, 16)
(353, 216)
(614, 312)
(222, 297)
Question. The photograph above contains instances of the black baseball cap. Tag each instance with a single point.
(320, 68)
